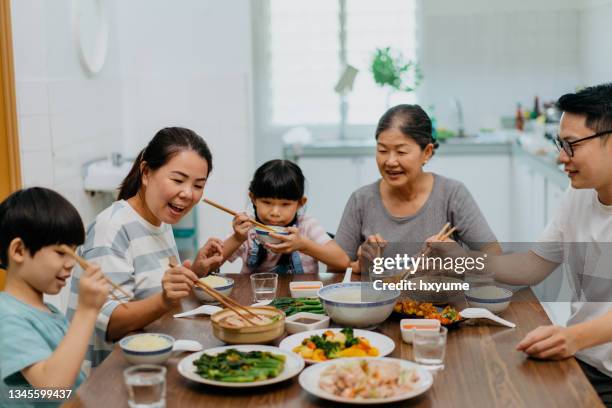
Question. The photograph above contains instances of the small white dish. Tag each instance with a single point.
(147, 355)
(493, 298)
(298, 322)
(310, 377)
(409, 326)
(305, 289)
(263, 235)
(293, 365)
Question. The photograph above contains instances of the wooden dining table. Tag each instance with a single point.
(482, 366)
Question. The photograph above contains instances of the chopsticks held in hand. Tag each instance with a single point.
(441, 236)
(84, 264)
(234, 213)
(223, 299)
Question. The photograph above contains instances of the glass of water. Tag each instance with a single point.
(146, 386)
(429, 347)
(264, 286)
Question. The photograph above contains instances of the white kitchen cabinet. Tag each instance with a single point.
(329, 184)
(487, 177)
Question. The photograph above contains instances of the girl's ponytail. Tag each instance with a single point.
(131, 183)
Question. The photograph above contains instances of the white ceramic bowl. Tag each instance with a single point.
(293, 324)
(357, 304)
(493, 298)
(307, 289)
(156, 356)
(263, 235)
(224, 289)
(418, 324)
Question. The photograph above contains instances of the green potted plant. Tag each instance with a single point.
(390, 70)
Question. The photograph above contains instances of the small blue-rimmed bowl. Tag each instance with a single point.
(493, 298)
(357, 304)
(147, 355)
(224, 289)
(263, 235)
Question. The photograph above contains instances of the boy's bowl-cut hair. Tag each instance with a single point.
(40, 217)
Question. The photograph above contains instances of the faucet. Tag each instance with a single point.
(459, 113)
(116, 159)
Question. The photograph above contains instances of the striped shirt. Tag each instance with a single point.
(133, 254)
(307, 227)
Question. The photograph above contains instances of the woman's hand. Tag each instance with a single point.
(372, 248)
(549, 342)
(290, 243)
(177, 283)
(241, 225)
(209, 257)
(93, 288)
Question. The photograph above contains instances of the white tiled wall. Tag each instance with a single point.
(492, 55)
(595, 42)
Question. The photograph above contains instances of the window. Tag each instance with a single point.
(301, 50)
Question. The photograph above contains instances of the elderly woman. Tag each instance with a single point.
(408, 205)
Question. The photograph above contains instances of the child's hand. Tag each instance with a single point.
(209, 257)
(177, 283)
(291, 243)
(93, 288)
(241, 225)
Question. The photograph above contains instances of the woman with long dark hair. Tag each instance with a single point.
(132, 240)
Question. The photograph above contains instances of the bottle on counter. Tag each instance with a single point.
(536, 108)
(519, 121)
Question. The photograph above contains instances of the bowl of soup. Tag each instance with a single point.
(357, 304)
(147, 348)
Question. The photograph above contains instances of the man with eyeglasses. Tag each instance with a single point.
(580, 237)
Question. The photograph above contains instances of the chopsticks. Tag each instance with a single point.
(443, 235)
(223, 299)
(84, 264)
(234, 213)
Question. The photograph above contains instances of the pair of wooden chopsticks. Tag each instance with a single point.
(444, 233)
(223, 299)
(84, 264)
(234, 213)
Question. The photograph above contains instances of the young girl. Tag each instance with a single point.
(277, 193)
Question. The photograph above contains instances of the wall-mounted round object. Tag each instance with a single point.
(90, 32)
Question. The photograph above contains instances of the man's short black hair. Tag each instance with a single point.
(595, 102)
(40, 217)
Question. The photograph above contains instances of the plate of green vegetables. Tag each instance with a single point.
(241, 366)
(295, 305)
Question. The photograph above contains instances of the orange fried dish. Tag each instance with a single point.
(427, 311)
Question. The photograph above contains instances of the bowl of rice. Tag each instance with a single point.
(147, 348)
(219, 283)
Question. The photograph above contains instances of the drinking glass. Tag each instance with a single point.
(264, 286)
(146, 386)
(429, 347)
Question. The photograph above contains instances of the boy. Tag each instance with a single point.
(37, 347)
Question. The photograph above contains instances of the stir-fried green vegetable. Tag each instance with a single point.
(295, 305)
(237, 366)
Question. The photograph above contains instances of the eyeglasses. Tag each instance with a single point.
(567, 146)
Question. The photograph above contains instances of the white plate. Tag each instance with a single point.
(309, 380)
(383, 343)
(293, 365)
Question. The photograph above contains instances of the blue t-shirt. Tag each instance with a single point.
(27, 336)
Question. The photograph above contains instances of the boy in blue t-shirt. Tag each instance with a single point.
(38, 349)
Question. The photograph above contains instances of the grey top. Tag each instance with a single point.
(449, 201)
